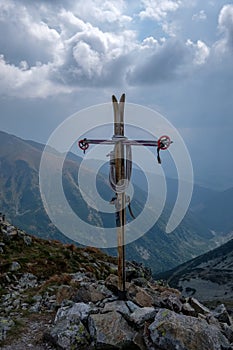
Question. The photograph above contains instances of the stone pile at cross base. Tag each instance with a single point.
(90, 316)
(86, 313)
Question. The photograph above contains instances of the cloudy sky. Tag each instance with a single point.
(175, 56)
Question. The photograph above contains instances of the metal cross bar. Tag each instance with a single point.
(119, 176)
(124, 141)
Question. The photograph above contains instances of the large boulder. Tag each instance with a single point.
(93, 292)
(69, 333)
(171, 331)
(141, 315)
(198, 307)
(117, 305)
(221, 314)
(111, 331)
(75, 311)
(140, 296)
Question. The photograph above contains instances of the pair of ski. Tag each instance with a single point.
(119, 176)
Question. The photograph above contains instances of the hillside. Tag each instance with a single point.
(20, 199)
(58, 296)
(207, 277)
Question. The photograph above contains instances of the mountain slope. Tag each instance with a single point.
(20, 200)
(207, 277)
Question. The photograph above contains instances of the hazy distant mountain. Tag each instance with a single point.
(20, 200)
(217, 211)
(207, 277)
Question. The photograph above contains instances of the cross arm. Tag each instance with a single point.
(163, 142)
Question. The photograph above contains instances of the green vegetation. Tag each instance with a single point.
(49, 260)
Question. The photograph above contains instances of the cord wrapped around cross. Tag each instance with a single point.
(161, 144)
(120, 175)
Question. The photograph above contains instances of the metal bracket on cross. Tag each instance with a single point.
(120, 174)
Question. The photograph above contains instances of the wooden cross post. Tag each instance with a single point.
(119, 157)
(119, 176)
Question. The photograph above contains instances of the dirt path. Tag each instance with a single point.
(30, 336)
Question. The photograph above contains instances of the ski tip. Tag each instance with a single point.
(114, 99)
(122, 99)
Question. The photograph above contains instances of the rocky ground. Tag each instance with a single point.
(31, 334)
(77, 307)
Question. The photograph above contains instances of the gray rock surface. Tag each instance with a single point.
(76, 311)
(141, 315)
(171, 331)
(69, 334)
(111, 330)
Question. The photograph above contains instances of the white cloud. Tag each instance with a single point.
(87, 59)
(170, 28)
(225, 24)
(201, 51)
(101, 11)
(28, 83)
(200, 16)
(158, 9)
(149, 42)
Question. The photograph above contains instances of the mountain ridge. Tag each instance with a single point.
(20, 199)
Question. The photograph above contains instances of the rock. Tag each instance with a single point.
(141, 315)
(212, 320)
(63, 292)
(111, 283)
(7, 277)
(135, 270)
(140, 281)
(172, 302)
(227, 331)
(15, 266)
(118, 305)
(73, 312)
(171, 331)
(111, 331)
(188, 310)
(28, 280)
(80, 277)
(132, 273)
(16, 303)
(37, 297)
(92, 293)
(222, 315)
(69, 334)
(132, 307)
(198, 307)
(139, 296)
(27, 240)
(36, 307)
(5, 326)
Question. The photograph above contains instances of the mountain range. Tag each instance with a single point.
(21, 201)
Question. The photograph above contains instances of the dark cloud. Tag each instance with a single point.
(26, 37)
(161, 66)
